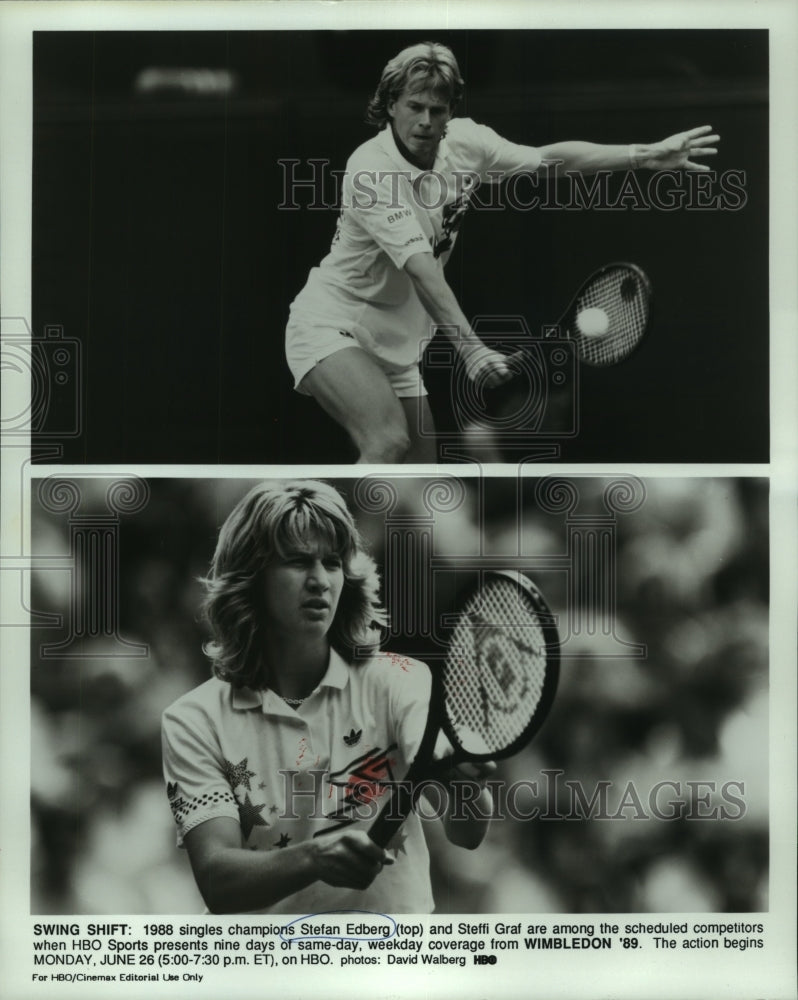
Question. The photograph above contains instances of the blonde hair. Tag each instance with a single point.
(272, 520)
(425, 66)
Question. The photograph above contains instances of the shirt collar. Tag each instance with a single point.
(336, 676)
(386, 139)
(244, 698)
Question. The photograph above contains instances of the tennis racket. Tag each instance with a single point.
(603, 324)
(493, 691)
(621, 293)
(608, 316)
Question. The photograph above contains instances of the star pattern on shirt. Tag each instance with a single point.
(283, 841)
(249, 815)
(238, 774)
(272, 809)
(398, 843)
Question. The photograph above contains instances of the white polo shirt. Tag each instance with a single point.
(224, 750)
(391, 209)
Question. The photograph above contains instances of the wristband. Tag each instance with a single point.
(634, 157)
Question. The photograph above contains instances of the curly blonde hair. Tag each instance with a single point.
(271, 521)
(425, 66)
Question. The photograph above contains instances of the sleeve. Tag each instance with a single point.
(498, 157)
(410, 689)
(196, 781)
(382, 203)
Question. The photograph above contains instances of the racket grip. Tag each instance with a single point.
(404, 796)
(393, 814)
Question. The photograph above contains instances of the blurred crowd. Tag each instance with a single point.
(669, 701)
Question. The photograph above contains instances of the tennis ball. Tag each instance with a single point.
(592, 322)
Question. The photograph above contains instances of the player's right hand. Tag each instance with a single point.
(486, 367)
(351, 860)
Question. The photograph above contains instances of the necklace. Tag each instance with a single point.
(294, 701)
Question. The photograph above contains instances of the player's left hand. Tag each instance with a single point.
(465, 771)
(473, 771)
(486, 367)
(677, 152)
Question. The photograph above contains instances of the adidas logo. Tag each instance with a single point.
(353, 738)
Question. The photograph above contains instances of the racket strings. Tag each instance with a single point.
(495, 672)
(622, 295)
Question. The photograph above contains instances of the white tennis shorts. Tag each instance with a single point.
(309, 341)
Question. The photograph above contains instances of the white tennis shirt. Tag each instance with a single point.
(224, 750)
(392, 209)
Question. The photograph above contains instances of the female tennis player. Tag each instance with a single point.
(357, 329)
(276, 766)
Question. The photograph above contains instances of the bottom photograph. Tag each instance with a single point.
(399, 695)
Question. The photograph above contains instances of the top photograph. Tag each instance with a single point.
(387, 247)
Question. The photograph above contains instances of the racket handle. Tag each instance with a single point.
(404, 796)
(393, 814)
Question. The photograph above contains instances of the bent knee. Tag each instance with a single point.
(388, 443)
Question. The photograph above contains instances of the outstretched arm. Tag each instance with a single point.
(674, 153)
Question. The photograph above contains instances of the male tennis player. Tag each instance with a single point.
(268, 763)
(356, 329)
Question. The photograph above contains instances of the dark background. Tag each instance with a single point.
(158, 244)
